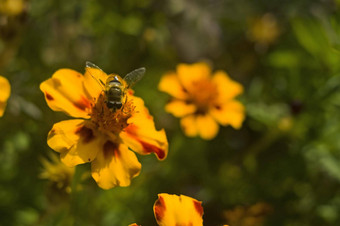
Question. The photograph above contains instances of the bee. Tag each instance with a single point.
(115, 87)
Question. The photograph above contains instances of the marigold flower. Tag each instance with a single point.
(201, 100)
(177, 210)
(101, 136)
(58, 173)
(5, 90)
(172, 210)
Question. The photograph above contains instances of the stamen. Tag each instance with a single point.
(203, 95)
(106, 120)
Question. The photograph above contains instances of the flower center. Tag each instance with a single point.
(107, 120)
(203, 94)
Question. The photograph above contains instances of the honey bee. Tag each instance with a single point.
(115, 87)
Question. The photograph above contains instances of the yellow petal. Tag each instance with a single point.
(181, 210)
(226, 87)
(170, 84)
(203, 125)
(179, 108)
(207, 127)
(65, 92)
(141, 135)
(62, 136)
(190, 73)
(5, 90)
(93, 79)
(75, 142)
(115, 166)
(230, 113)
(189, 125)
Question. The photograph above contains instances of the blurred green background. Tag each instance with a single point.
(281, 168)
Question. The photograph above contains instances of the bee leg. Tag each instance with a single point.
(124, 104)
(102, 112)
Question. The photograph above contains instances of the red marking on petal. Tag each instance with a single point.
(85, 133)
(52, 132)
(159, 208)
(110, 148)
(117, 154)
(130, 91)
(149, 148)
(131, 129)
(49, 97)
(198, 207)
(218, 107)
(83, 103)
(148, 115)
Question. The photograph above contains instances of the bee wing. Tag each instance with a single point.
(134, 76)
(92, 65)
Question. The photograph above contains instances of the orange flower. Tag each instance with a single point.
(5, 90)
(101, 136)
(177, 210)
(171, 210)
(201, 100)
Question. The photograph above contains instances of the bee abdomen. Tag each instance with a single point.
(114, 105)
